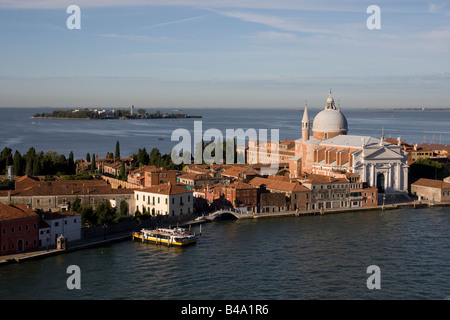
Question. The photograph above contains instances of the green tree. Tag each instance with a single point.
(93, 163)
(6, 159)
(37, 164)
(88, 157)
(123, 208)
(17, 164)
(105, 213)
(155, 157)
(87, 215)
(117, 154)
(76, 205)
(71, 164)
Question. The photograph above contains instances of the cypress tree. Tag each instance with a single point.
(93, 163)
(71, 164)
(17, 164)
(117, 154)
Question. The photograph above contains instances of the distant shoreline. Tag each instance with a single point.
(95, 114)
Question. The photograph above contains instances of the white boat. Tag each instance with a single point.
(170, 237)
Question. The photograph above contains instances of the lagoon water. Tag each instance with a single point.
(317, 257)
(312, 257)
(19, 131)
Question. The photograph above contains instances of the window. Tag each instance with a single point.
(158, 199)
(173, 200)
(56, 224)
(143, 198)
(137, 196)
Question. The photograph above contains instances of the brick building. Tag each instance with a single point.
(19, 229)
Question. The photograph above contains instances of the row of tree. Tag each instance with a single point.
(36, 163)
(103, 213)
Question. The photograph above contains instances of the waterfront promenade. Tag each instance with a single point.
(100, 240)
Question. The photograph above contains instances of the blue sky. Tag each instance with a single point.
(224, 54)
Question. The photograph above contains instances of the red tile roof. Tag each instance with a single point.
(432, 183)
(16, 211)
(279, 185)
(167, 189)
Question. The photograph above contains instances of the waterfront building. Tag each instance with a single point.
(18, 229)
(297, 196)
(64, 223)
(332, 152)
(240, 195)
(164, 199)
(433, 190)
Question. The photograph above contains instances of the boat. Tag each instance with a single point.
(169, 237)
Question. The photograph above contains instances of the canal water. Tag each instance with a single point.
(312, 257)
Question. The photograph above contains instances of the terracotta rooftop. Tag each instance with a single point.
(234, 171)
(321, 179)
(434, 146)
(16, 211)
(65, 188)
(167, 189)
(194, 176)
(58, 215)
(240, 185)
(276, 184)
(432, 183)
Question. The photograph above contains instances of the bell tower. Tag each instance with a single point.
(305, 124)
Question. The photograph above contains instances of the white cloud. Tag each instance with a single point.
(436, 7)
(281, 23)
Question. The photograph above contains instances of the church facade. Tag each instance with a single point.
(330, 151)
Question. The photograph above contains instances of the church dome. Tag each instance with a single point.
(330, 120)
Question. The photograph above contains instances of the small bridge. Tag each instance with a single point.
(227, 214)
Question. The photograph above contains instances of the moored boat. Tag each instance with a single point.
(170, 237)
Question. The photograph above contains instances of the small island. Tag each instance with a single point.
(98, 114)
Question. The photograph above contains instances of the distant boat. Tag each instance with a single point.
(160, 138)
(176, 110)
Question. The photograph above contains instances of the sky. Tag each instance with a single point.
(159, 54)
